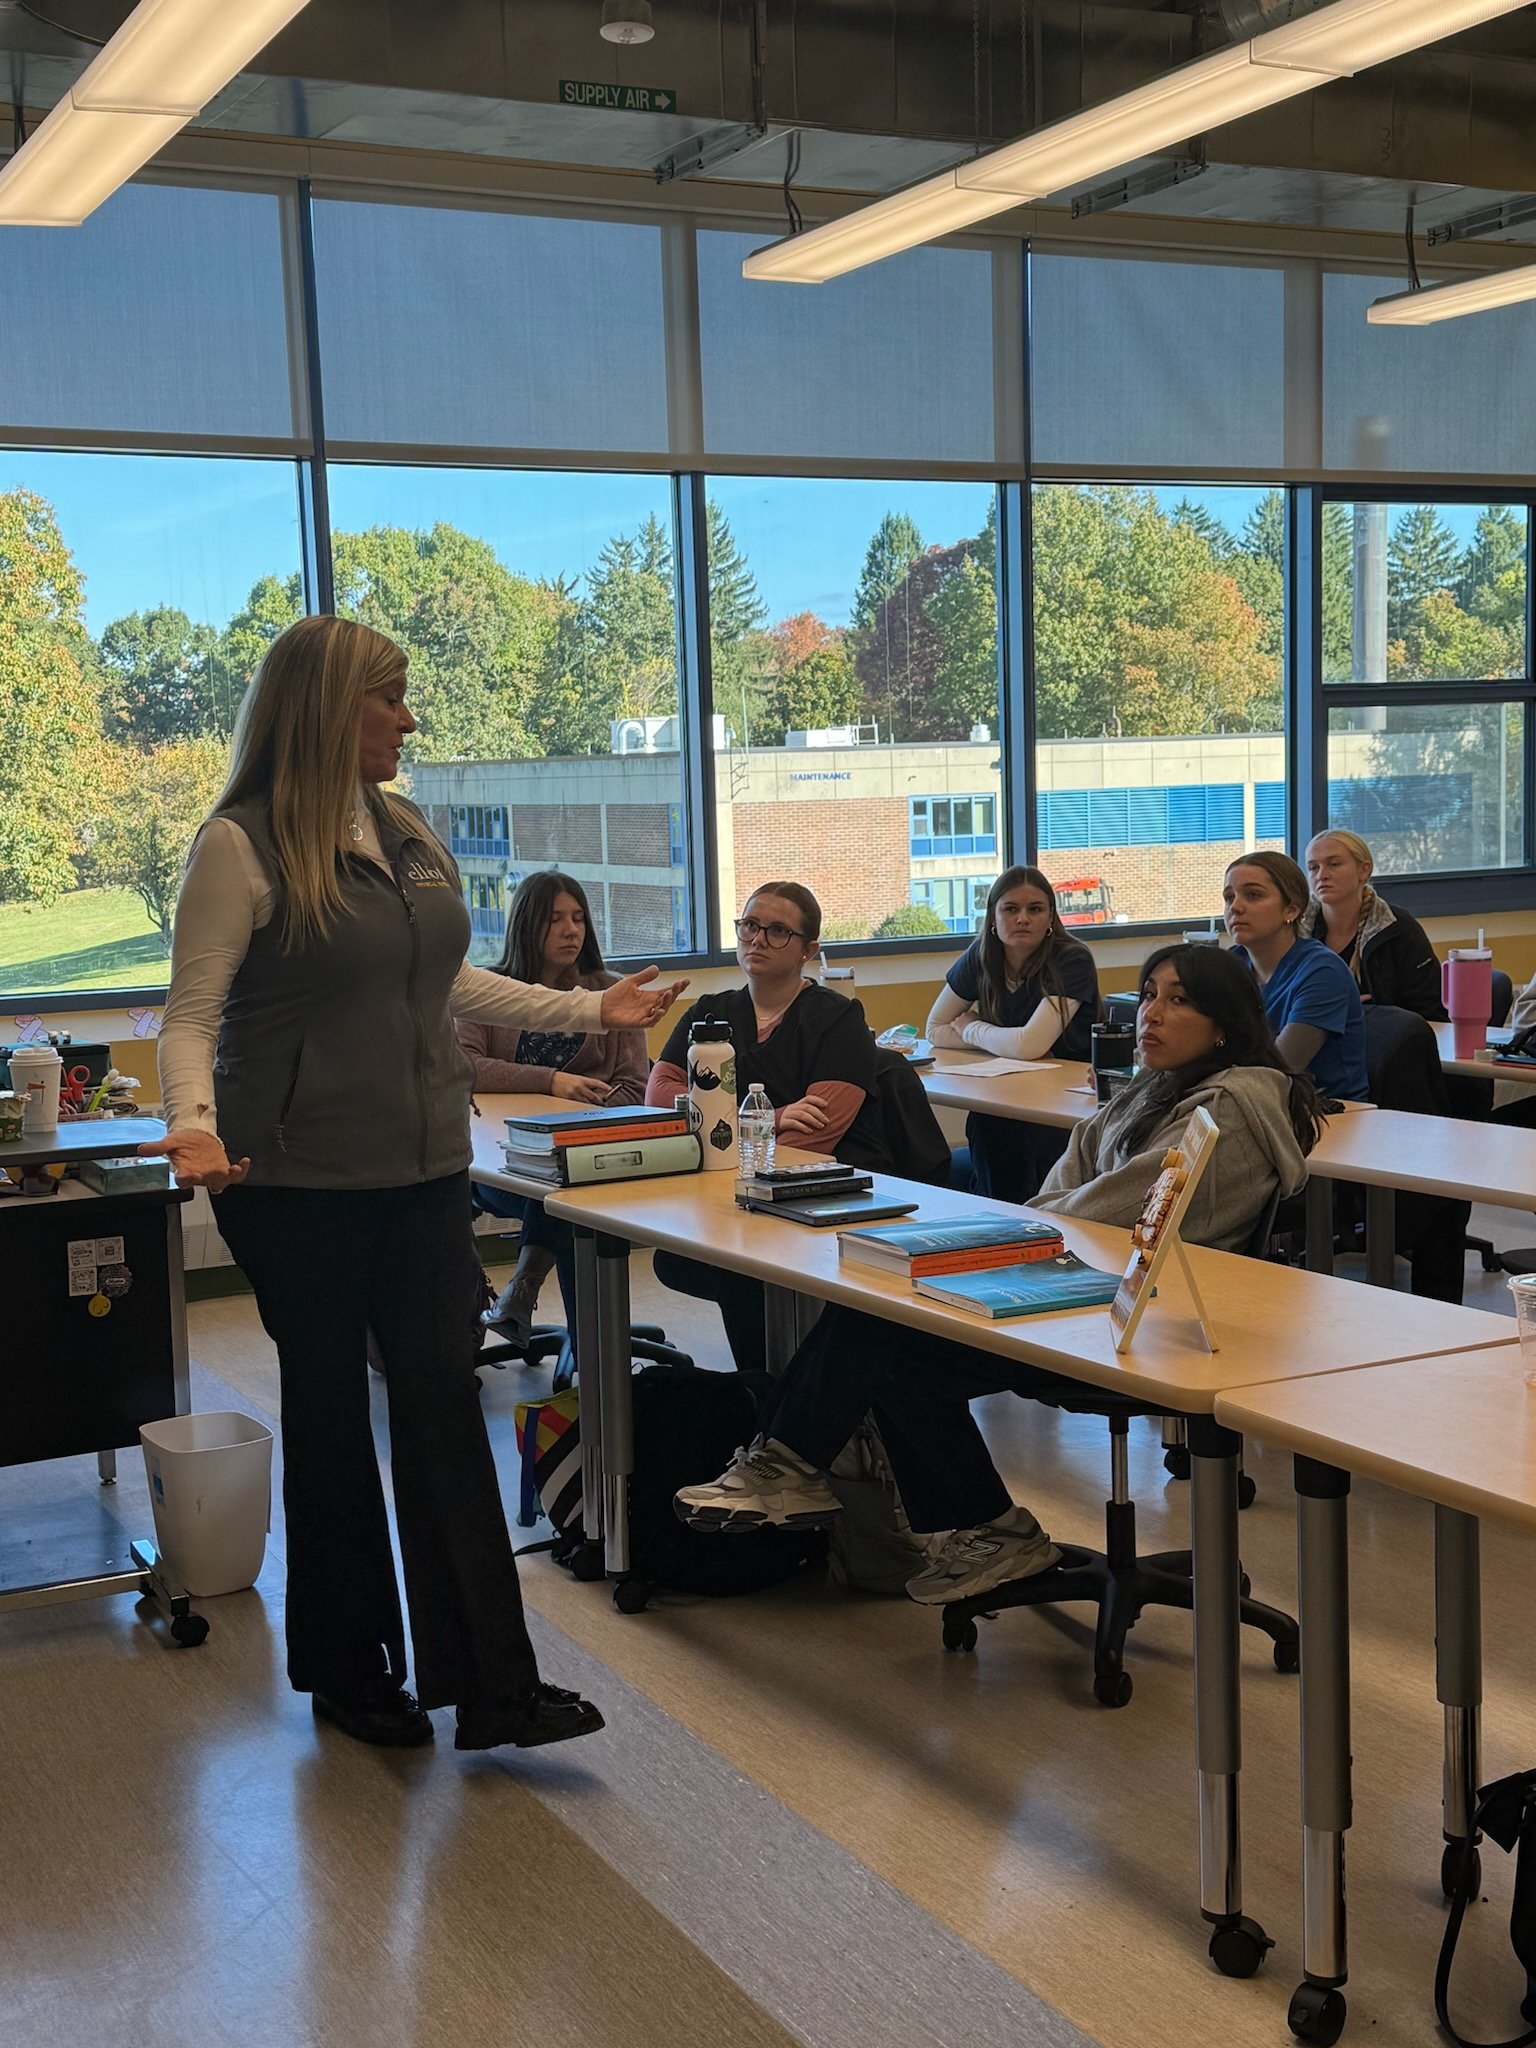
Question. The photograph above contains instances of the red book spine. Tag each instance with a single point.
(926, 1264)
(620, 1134)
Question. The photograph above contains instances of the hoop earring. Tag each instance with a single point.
(1220, 1042)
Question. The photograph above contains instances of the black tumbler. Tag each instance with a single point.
(1113, 1055)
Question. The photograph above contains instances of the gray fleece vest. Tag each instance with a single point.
(337, 1066)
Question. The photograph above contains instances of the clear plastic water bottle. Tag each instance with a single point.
(755, 1133)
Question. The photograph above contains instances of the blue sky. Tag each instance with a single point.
(197, 533)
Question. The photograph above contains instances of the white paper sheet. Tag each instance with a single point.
(987, 1070)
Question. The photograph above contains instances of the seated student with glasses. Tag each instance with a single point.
(1203, 1042)
(814, 1055)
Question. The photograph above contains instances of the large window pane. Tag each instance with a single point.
(1423, 593)
(854, 637)
(164, 313)
(442, 327)
(137, 594)
(1116, 380)
(890, 364)
(1449, 400)
(1159, 629)
(1434, 788)
(537, 610)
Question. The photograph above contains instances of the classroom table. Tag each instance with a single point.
(1457, 1431)
(1272, 1322)
(1384, 1150)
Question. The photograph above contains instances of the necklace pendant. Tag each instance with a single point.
(355, 826)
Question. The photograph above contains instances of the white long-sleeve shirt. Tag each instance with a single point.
(226, 896)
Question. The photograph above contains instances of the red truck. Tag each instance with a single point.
(1084, 900)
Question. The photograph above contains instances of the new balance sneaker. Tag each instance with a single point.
(972, 1561)
(766, 1483)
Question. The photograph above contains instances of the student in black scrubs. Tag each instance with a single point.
(1025, 989)
(814, 1055)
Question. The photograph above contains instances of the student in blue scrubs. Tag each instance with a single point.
(1311, 998)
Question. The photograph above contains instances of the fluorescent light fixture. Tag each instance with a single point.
(936, 207)
(1450, 301)
(165, 63)
(1341, 38)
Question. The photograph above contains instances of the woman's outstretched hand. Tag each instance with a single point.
(197, 1159)
(631, 1003)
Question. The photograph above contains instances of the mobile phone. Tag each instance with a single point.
(813, 1169)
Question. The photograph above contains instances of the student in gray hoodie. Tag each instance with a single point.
(1204, 1042)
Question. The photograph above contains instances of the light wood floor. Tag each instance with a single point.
(805, 1822)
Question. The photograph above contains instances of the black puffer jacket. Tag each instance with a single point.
(1393, 962)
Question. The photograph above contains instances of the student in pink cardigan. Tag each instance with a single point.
(550, 940)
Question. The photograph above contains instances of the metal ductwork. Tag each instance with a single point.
(1248, 18)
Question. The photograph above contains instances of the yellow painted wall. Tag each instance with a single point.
(894, 988)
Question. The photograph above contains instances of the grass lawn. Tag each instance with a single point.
(91, 938)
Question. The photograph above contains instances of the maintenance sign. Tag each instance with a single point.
(621, 99)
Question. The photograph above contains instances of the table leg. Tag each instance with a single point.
(1381, 1237)
(787, 1321)
(1319, 1224)
(106, 1467)
(616, 1374)
(1458, 1677)
(589, 1387)
(1238, 1945)
(1318, 2008)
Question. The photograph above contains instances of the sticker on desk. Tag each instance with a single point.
(82, 1252)
(114, 1281)
(82, 1280)
(109, 1251)
(98, 1305)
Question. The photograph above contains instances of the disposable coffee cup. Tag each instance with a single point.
(36, 1071)
(1523, 1287)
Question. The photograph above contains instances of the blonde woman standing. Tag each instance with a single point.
(312, 1083)
(1385, 949)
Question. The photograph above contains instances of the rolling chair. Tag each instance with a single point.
(1119, 1582)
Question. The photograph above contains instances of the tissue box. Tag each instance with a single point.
(125, 1176)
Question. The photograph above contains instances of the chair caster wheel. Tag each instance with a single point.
(1247, 1490)
(959, 1633)
(1238, 1948)
(631, 1596)
(1244, 1585)
(1491, 1262)
(1317, 2014)
(587, 1564)
(1288, 1654)
(1176, 1461)
(1112, 1688)
(1450, 1869)
(188, 1630)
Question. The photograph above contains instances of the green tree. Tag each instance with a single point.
(1445, 644)
(820, 691)
(155, 802)
(275, 603)
(928, 662)
(1204, 524)
(894, 546)
(625, 652)
(912, 921)
(1491, 584)
(1422, 557)
(736, 615)
(963, 611)
(49, 702)
(163, 678)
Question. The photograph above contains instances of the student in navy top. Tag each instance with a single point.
(1311, 997)
(1025, 989)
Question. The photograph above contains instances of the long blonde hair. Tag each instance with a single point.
(295, 749)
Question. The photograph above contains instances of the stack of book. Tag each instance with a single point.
(992, 1266)
(821, 1193)
(574, 1147)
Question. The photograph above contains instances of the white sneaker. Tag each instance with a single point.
(764, 1484)
(972, 1561)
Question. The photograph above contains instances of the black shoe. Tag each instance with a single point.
(383, 1714)
(546, 1713)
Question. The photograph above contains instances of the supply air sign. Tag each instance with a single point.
(619, 99)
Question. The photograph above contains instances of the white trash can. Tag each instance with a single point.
(210, 1485)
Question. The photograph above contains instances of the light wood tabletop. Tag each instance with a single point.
(1271, 1322)
(1459, 1430)
(1389, 1148)
(1462, 1062)
(488, 1129)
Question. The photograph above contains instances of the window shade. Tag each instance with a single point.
(1176, 365)
(165, 313)
(891, 364)
(1450, 400)
(448, 328)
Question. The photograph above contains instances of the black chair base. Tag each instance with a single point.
(1121, 1585)
(552, 1340)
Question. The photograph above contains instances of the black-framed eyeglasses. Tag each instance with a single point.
(776, 934)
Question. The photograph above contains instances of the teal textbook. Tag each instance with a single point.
(1033, 1290)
